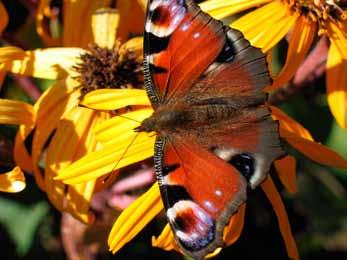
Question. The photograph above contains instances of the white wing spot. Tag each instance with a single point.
(185, 27)
(171, 214)
(196, 35)
(209, 205)
(219, 193)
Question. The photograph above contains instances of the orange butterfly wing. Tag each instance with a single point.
(200, 192)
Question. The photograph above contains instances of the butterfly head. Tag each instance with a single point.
(147, 125)
(162, 120)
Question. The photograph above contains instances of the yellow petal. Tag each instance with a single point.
(50, 108)
(220, 9)
(21, 155)
(109, 158)
(290, 124)
(133, 26)
(134, 218)
(78, 199)
(337, 35)
(50, 63)
(105, 24)
(297, 136)
(315, 151)
(214, 253)
(267, 25)
(73, 139)
(55, 95)
(16, 112)
(119, 127)
(9, 53)
(12, 181)
(80, 195)
(337, 78)
(42, 14)
(286, 170)
(142, 4)
(134, 45)
(165, 240)
(274, 197)
(78, 21)
(233, 231)
(61, 151)
(112, 99)
(299, 44)
(3, 17)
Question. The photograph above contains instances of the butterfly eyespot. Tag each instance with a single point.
(160, 15)
(244, 163)
(194, 228)
(179, 223)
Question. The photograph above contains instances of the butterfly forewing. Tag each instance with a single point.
(180, 43)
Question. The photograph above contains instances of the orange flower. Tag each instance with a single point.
(62, 131)
(265, 26)
(142, 211)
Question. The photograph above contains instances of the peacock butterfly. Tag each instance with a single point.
(215, 136)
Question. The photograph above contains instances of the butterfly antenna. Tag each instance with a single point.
(125, 151)
(129, 118)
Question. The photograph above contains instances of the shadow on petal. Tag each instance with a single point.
(134, 218)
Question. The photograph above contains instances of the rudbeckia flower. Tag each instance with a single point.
(63, 131)
(122, 145)
(272, 20)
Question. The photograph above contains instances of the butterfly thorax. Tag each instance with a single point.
(167, 119)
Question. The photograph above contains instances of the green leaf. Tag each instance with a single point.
(21, 222)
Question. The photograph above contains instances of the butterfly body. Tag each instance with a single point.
(167, 119)
(215, 135)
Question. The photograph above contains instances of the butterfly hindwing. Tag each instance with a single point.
(200, 192)
(249, 141)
